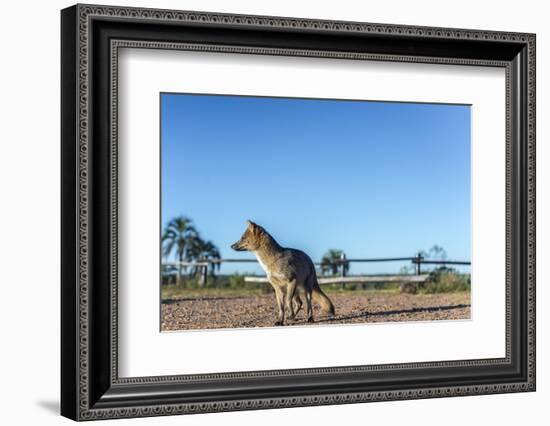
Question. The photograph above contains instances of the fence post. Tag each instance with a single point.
(343, 267)
(203, 275)
(343, 264)
(418, 260)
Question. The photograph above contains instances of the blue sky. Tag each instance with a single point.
(376, 179)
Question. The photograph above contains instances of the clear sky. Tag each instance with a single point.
(376, 179)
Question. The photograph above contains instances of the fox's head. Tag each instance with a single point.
(251, 239)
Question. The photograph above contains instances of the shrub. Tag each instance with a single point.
(446, 280)
(236, 281)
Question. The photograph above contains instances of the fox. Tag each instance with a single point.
(287, 271)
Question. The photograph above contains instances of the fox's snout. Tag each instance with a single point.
(237, 247)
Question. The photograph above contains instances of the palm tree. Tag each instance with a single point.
(332, 262)
(201, 251)
(178, 237)
(210, 252)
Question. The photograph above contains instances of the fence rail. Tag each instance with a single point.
(415, 260)
(359, 279)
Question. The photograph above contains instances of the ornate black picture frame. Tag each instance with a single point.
(90, 385)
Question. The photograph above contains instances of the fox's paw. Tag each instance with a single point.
(277, 323)
(310, 320)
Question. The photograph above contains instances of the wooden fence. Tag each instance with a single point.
(343, 279)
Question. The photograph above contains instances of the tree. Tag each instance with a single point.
(178, 238)
(332, 262)
(201, 251)
(437, 253)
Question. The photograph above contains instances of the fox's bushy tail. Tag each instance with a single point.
(322, 299)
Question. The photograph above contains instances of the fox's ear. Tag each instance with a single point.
(250, 223)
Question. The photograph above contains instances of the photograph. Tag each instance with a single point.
(280, 211)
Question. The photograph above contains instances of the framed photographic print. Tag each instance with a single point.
(263, 212)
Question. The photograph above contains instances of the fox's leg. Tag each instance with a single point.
(289, 297)
(280, 304)
(309, 307)
(297, 303)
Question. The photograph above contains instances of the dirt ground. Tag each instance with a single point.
(357, 307)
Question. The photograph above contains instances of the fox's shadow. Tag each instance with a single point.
(199, 299)
(392, 312)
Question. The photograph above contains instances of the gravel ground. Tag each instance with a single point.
(260, 310)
